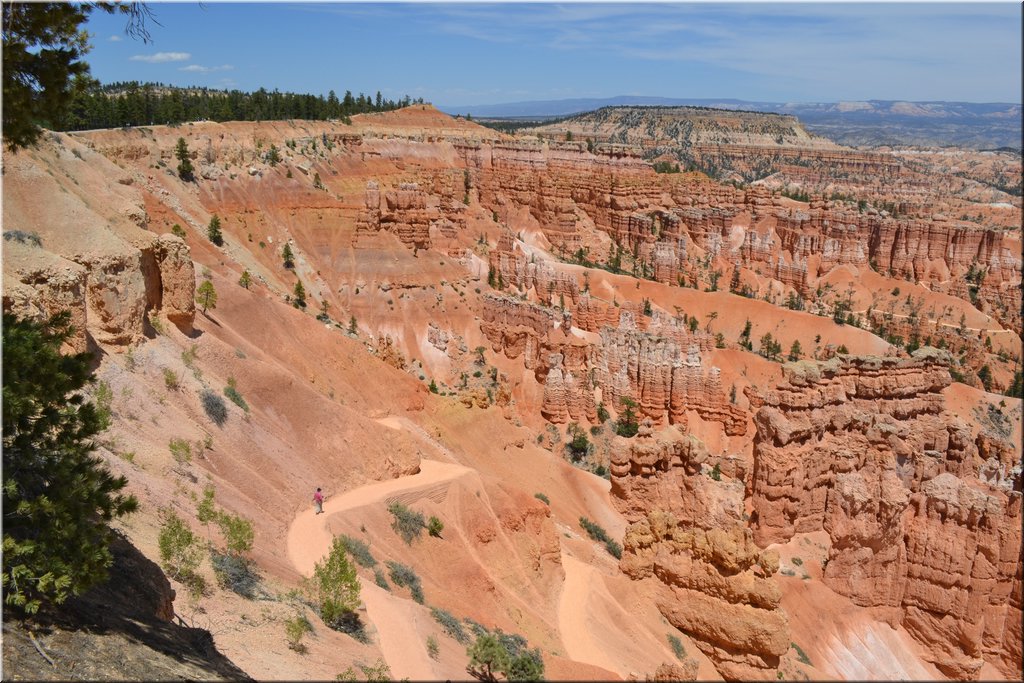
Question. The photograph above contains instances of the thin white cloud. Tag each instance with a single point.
(115, 38)
(200, 69)
(162, 57)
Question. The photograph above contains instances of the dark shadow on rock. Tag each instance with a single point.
(137, 601)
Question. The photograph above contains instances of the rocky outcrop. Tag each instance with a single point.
(437, 338)
(79, 241)
(833, 417)
(686, 530)
(661, 218)
(411, 213)
(389, 352)
(648, 367)
(517, 328)
(684, 671)
(108, 293)
(38, 284)
(863, 448)
(568, 396)
(652, 369)
(174, 295)
(510, 267)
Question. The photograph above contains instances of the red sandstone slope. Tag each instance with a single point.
(444, 247)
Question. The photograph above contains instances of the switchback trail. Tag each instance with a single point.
(309, 538)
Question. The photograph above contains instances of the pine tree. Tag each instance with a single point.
(43, 75)
(213, 231)
(58, 497)
(273, 156)
(627, 424)
(985, 376)
(744, 340)
(300, 295)
(206, 295)
(288, 256)
(795, 351)
(246, 279)
(487, 657)
(1016, 388)
(185, 171)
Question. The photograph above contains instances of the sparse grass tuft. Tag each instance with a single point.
(171, 379)
(404, 576)
(408, 523)
(451, 625)
(231, 391)
(359, 550)
(801, 655)
(181, 451)
(434, 527)
(677, 647)
(597, 533)
(215, 408)
(541, 497)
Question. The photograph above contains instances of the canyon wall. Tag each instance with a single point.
(863, 448)
(686, 530)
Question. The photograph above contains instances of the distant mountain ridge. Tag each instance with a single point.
(868, 123)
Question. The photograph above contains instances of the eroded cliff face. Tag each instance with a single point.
(64, 252)
(863, 448)
(660, 368)
(687, 531)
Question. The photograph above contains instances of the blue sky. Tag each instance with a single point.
(463, 53)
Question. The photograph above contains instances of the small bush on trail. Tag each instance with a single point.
(334, 590)
(215, 408)
(434, 527)
(404, 576)
(677, 647)
(380, 580)
(451, 625)
(235, 573)
(295, 629)
(432, 648)
(359, 551)
(597, 533)
(408, 524)
(232, 393)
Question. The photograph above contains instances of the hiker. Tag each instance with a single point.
(318, 501)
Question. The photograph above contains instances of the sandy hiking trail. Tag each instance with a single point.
(596, 628)
(309, 539)
(397, 622)
(397, 625)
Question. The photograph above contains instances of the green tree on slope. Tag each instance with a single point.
(58, 498)
(43, 44)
